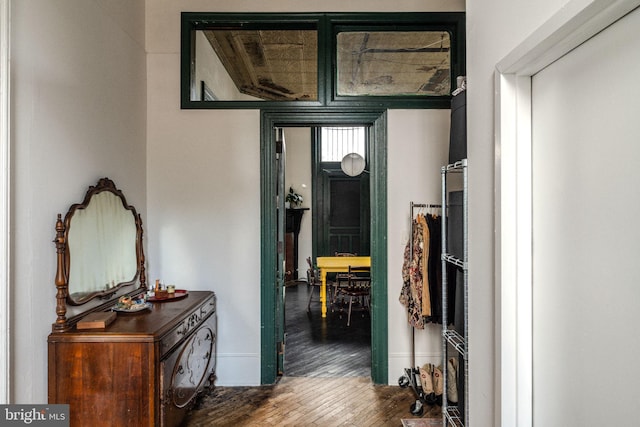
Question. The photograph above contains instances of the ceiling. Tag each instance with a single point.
(283, 64)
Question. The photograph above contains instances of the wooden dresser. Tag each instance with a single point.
(144, 369)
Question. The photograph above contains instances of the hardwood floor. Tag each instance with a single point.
(306, 401)
(326, 382)
(317, 347)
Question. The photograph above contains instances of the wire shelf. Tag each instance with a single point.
(452, 339)
(455, 167)
(454, 260)
(453, 417)
(456, 340)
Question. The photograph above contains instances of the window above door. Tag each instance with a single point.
(388, 60)
(338, 141)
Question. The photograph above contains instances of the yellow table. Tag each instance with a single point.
(336, 264)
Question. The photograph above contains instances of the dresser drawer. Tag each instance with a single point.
(187, 325)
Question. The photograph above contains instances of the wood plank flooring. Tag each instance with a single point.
(326, 382)
(317, 347)
(306, 402)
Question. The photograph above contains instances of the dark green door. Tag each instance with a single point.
(343, 219)
(342, 208)
(279, 282)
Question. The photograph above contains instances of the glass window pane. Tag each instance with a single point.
(393, 63)
(337, 142)
(255, 65)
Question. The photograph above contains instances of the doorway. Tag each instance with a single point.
(271, 319)
(332, 217)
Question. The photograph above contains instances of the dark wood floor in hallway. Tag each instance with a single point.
(326, 382)
(324, 347)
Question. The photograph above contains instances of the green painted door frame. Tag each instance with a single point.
(377, 120)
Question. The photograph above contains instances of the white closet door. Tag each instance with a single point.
(586, 232)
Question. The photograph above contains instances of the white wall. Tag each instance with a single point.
(78, 113)
(585, 233)
(494, 28)
(298, 176)
(5, 264)
(418, 146)
(203, 186)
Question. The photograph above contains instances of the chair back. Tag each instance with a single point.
(345, 254)
(312, 273)
(343, 277)
(358, 289)
(359, 279)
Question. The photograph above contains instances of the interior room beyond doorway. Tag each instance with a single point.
(328, 210)
(333, 208)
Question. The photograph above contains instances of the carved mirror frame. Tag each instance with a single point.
(64, 259)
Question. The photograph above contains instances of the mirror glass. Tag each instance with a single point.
(101, 241)
(393, 63)
(255, 65)
(99, 247)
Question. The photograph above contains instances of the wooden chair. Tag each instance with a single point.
(358, 288)
(341, 279)
(313, 279)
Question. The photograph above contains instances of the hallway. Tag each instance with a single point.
(327, 380)
(317, 347)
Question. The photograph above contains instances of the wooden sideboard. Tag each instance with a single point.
(144, 369)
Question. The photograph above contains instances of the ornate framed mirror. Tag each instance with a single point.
(100, 253)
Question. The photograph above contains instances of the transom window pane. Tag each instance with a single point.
(394, 63)
(337, 142)
(255, 65)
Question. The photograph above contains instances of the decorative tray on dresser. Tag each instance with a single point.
(145, 368)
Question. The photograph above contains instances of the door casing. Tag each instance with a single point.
(377, 120)
(280, 165)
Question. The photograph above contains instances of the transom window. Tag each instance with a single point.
(337, 142)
